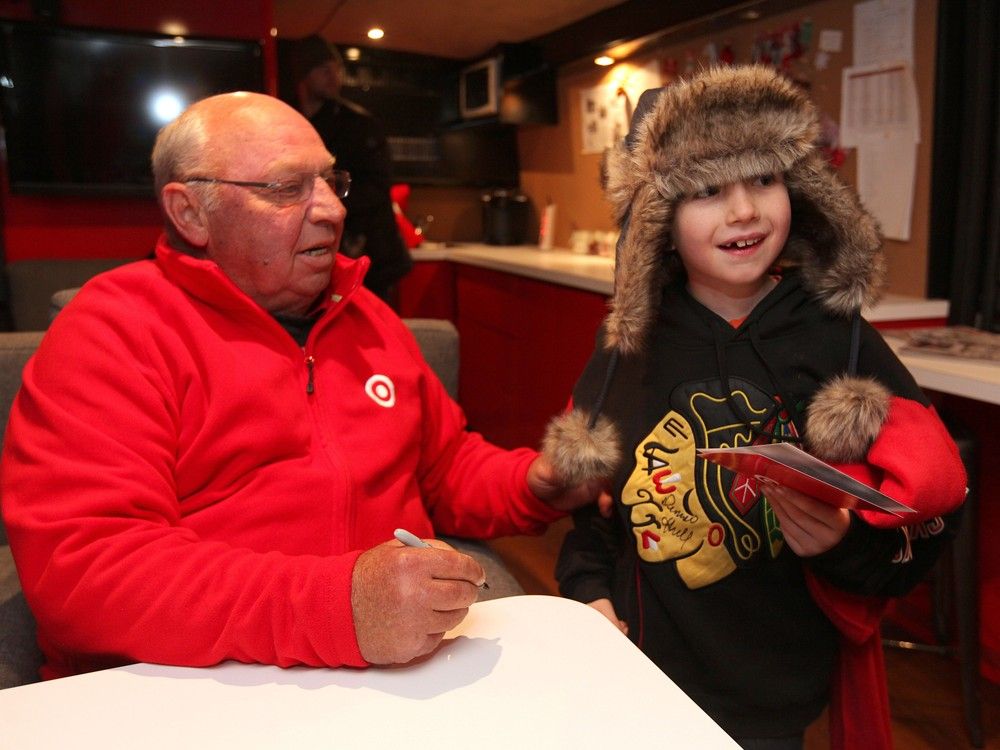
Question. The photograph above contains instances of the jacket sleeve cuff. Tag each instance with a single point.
(343, 639)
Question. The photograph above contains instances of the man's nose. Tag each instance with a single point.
(740, 204)
(324, 204)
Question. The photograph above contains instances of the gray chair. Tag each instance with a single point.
(20, 658)
(438, 341)
(31, 283)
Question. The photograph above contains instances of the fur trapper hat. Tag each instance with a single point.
(725, 125)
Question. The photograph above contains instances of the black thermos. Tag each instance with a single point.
(505, 216)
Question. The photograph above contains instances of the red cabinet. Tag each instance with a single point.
(428, 291)
(523, 345)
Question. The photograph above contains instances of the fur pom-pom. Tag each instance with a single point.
(845, 417)
(579, 453)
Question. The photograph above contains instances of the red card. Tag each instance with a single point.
(791, 467)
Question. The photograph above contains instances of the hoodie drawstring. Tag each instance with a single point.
(609, 375)
(783, 402)
(790, 406)
(852, 361)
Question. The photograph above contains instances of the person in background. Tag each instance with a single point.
(211, 449)
(312, 72)
(741, 272)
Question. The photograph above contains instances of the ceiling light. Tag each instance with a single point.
(375, 33)
(173, 28)
(750, 15)
(604, 60)
(352, 53)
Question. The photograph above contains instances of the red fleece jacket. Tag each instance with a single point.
(184, 484)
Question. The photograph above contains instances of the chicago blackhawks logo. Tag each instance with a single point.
(700, 516)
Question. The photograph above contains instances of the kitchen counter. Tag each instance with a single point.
(596, 274)
(977, 379)
(974, 379)
(587, 272)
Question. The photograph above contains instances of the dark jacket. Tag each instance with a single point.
(357, 141)
(694, 559)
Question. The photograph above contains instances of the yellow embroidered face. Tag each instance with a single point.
(667, 518)
(695, 514)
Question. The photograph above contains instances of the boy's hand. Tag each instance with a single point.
(809, 526)
(606, 608)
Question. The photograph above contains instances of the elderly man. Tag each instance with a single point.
(211, 449)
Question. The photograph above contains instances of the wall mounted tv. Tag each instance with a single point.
(81, 108)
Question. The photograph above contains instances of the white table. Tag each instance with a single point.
(522, 672)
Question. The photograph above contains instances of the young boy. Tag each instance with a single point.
(742, 266)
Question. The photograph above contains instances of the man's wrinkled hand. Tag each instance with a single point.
(404, 599)
(548, 487)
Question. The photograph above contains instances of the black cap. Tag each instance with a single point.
(307, 53)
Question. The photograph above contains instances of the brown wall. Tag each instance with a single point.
(553, 167)
(456, 211)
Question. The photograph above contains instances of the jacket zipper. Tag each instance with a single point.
(310, 365)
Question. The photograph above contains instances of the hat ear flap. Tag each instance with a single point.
(638, 270)
(618, 180)
(835, 238)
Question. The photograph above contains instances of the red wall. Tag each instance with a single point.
(64, 227)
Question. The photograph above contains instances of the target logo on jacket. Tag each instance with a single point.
(381, 390)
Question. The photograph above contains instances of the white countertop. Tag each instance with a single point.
(593, 273)
(973, 379)
(590, 273)
(970, 378)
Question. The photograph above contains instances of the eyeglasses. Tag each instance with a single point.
(291, 190)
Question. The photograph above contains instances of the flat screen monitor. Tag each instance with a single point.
(81, 108)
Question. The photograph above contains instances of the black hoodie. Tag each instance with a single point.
(693, 559)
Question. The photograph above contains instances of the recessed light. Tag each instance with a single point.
(352, 53)
(604, 60)
(174, 28)
(375, 33)
(750, 15)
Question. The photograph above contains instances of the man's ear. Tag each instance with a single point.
(186, 212)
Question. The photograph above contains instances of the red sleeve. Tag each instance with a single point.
(915, 461)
